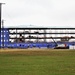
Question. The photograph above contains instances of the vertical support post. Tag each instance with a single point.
(30, 36)
(0, 21)
(24, 37)
(3, 33)
(16, 35)
(44, 35)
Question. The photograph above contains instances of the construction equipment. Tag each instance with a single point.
(60, 46)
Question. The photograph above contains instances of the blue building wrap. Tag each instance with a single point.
(4, 37)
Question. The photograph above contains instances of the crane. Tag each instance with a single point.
(60, 46)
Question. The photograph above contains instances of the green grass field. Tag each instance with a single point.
(37, 62)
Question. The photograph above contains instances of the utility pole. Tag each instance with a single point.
(0, 12)
(3, 23)
(0, 21)
(3, 33)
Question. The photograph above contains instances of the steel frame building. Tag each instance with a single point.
(36, 37)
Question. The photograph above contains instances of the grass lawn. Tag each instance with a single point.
(37, 62)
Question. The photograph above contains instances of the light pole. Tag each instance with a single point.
(0, 12)
(3, 33)
(0, 22)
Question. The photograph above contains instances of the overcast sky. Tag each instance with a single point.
(39, 12)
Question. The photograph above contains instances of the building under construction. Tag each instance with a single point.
(39, 37)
